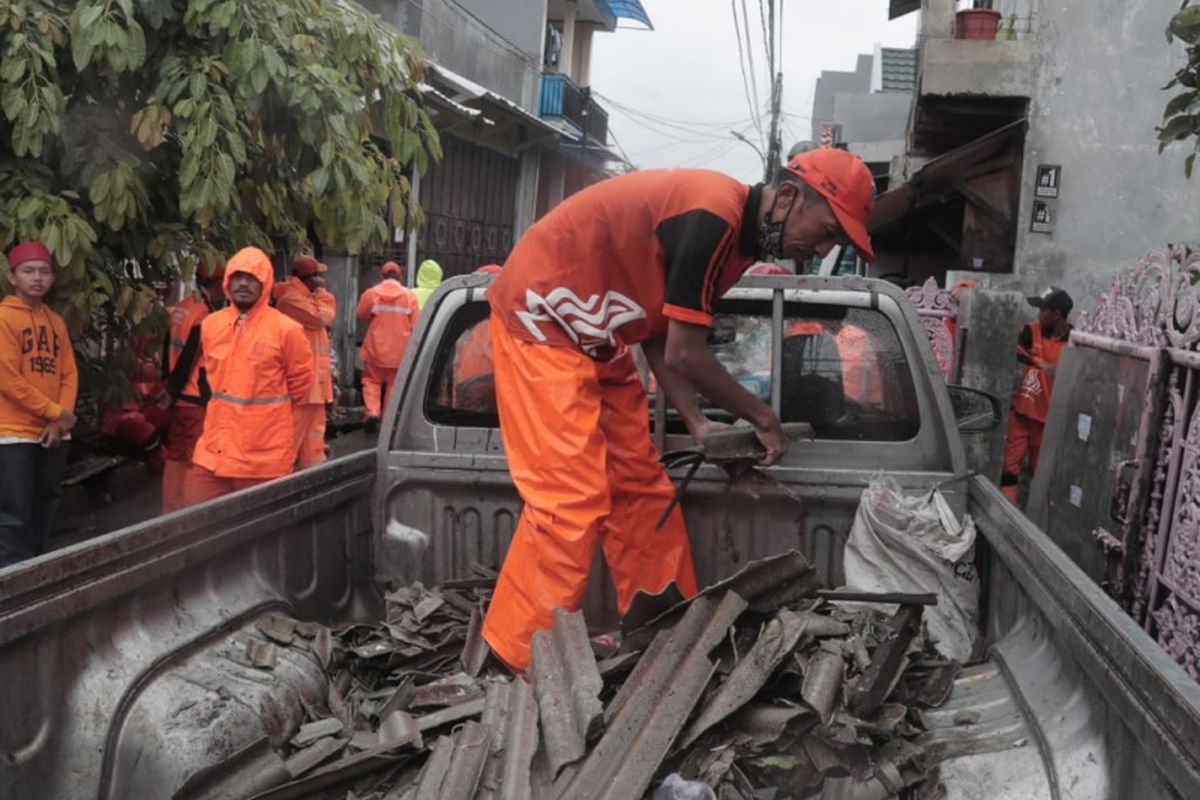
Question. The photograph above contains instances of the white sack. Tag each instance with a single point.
(913, 544)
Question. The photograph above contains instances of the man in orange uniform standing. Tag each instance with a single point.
(259, 366)
(304, 298)
(186, 387)
(390, 310)
(38, 387)
(639, 259)
(1039, 348)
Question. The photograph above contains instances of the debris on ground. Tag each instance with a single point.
(757, 687)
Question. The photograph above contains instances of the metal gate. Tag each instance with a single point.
(935, 307)
(1152, 314)
(470, 202)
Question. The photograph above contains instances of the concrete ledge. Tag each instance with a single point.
(965, 67)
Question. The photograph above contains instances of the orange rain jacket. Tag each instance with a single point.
(1035, 352)
(258, 364)
(390, 310)
(315, 311)
(37, 369)
(184, 361)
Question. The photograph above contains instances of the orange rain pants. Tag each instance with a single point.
(577, 436)
(183, 431)
(376, 383)
(1024, 437)
(308, 421)
(201, 485)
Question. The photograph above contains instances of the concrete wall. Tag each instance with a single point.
(1097, 101)
(518, 21)
(880, 117)
(495, 43)
(831, 83)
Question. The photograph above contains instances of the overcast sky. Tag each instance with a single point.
(685, 89)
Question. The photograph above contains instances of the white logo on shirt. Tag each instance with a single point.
(591, 324)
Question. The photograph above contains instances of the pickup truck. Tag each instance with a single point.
(114, 662)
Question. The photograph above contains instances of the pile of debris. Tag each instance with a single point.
(762, 686)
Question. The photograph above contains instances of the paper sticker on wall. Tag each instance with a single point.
(1084, 427)
(1076, 496)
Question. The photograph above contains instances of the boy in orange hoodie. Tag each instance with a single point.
(38, 386)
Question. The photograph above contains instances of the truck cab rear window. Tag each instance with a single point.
(844, 370)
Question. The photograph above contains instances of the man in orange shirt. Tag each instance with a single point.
(259, 366)
(38, 387)
(186, 388)
(639, 259)
(1039, 349)
(303, 297)
(390, 310)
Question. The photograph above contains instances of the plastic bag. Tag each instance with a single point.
(914, 544)
(676, 788)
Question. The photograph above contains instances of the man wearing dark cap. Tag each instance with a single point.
(640, 259)
(1039, 348)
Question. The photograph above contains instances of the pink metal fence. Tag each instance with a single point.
(1153, 313)
(935, 306)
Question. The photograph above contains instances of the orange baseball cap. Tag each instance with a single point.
(303, 266)
(391, 268)
(844, 180)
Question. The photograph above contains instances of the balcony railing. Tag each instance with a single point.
(563, 99)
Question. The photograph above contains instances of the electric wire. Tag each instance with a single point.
(751, 97)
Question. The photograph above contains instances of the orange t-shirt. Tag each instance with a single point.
(609, 265)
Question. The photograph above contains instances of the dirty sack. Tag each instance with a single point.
(914, 543)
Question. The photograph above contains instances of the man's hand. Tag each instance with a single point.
(774, 439)
(65, 421)
(707, 427)
(52, 436)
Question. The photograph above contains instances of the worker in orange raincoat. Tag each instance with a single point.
(259, 366)
(390, 310)
(1039, 349)
(186, 388)
(638, 259)
(304, 298)
(473, 372)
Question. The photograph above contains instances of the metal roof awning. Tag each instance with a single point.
(898, 8)
(576, 148)
(462, 90)
(948, 173)
(632, 9)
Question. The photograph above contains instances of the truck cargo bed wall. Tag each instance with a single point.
(141, 600)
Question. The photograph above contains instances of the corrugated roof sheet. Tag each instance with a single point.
(567, 685)
(899, 69)
(651, 707)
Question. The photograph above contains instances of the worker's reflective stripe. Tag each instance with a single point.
(176, 344)
(249, 401)
(392, 309)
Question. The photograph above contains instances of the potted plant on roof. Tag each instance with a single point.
(980, 22)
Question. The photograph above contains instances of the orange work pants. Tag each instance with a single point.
(1024, 438)
(376, 383)
(308, 420)
(183, 431)
(577, 437)
(201, 485)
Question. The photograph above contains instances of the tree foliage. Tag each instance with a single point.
(141, 136)
(1181, 119)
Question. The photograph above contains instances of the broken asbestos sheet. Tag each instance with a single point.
(755, 688)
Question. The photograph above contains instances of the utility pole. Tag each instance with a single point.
(773, 143)
(774, 146)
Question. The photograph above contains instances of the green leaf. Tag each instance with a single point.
(1178, 128)
(1180, 103)
(89, 15)
(1186, 25)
